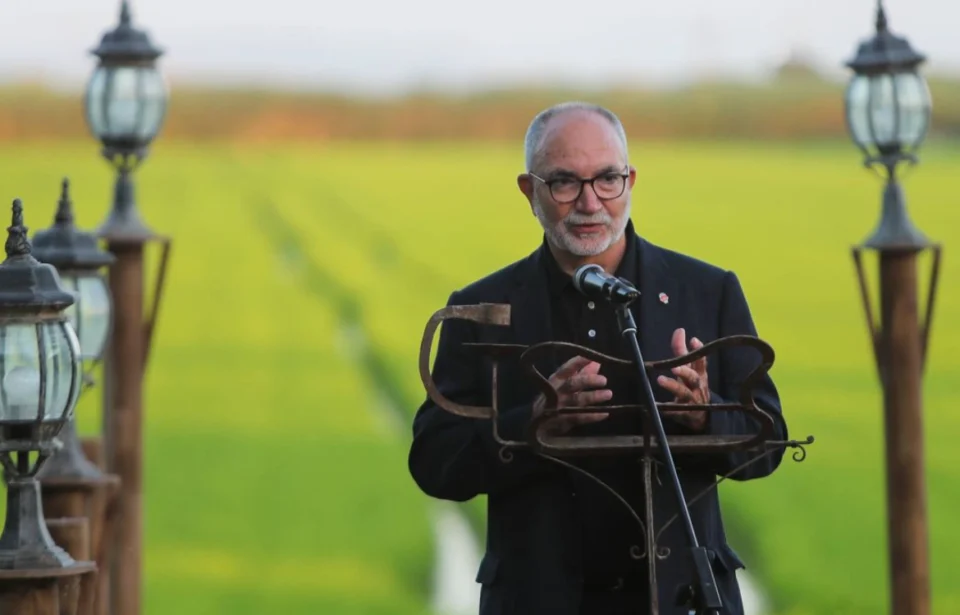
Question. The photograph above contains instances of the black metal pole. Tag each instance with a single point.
(703, 598)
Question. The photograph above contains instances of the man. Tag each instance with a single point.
(557, 543)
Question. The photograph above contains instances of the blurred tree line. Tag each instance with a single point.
(797, 104)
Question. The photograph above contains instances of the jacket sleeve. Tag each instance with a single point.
(457, 458)
(735, 364)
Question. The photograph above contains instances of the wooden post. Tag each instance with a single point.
(93, 450)
(76, 593)
(124, 366)
(103, 554)
(123, 423)
(91, 501)
(23, 594)
(102, 548)
(900, 340)
(900, 343)
(40, 591)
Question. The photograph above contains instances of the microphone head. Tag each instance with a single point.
(582, 272)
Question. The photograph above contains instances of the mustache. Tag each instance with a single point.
(577, 218)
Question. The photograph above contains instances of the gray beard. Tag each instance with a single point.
(560, 237)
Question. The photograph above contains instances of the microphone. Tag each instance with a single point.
(594, 282)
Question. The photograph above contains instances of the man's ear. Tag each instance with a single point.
(525, 183)
(633, 176)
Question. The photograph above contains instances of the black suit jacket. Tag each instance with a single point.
(532, 560)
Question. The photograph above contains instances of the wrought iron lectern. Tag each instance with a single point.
(701, 595)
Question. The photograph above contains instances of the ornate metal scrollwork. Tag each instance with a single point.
(554, 448)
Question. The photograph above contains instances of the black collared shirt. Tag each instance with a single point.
(608, 529)
(593, 324)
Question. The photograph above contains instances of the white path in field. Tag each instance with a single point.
(455, 592)
(456, 550)
(754, 602)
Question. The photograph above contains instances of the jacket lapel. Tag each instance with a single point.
(658, 314)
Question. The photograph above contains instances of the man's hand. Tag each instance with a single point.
(577, 382)
(690, 386)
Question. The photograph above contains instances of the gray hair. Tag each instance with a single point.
(534, 137)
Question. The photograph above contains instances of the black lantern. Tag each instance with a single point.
(887, 101)
(888, 114)
(39, 386)
(126, 97)
(79, 261)
(126, 102)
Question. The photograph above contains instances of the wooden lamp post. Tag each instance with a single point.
(73, 487)
(888, 113)
(39, 385)
(125, 105)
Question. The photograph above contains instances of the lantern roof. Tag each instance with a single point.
(125, 43)
(26, 284)
(885, 52)
(63, 245)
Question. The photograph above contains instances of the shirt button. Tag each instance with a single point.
(591, 305)
(592, 333)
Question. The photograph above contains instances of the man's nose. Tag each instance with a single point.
(589, 202)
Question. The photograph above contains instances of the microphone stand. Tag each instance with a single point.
(701, 596)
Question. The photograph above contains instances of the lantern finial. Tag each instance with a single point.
(881, 17)
(64, 214)
(125, 13)
(17, 244)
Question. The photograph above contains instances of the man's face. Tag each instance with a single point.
(576, 146)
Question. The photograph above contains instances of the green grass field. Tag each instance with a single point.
(275, 479)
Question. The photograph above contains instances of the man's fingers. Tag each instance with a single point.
(689, 376)
(700, 364)
(590, 368)
(570, 367)
(589, 398)
(584, 381)
(563, 381)
(676, 387)
(679, 342)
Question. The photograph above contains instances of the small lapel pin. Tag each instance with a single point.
(664, 298)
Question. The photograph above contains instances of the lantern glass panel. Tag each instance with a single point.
(913, 101)
(22, 371)
(62, 369)
(883, 110)
(20, 384)
(126, 102)
(858, 103)
(93, 305)
(888, 111)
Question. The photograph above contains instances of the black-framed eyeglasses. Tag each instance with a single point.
(567, 189)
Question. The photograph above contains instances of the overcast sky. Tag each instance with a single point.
(390, 45)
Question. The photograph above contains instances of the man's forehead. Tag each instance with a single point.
(581, 139)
